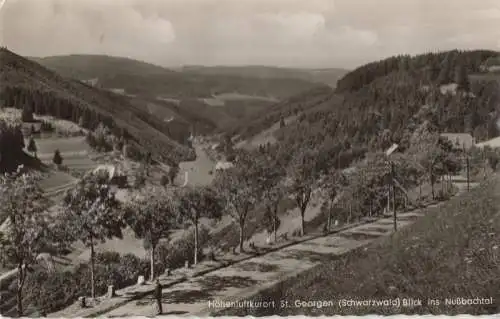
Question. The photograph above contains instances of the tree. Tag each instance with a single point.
(91, 215)
(27, 114)
(28, 227)
(164, 180)
(57, 159)
(147, 162)
(273, 190)
(333, 184)
(32, 146)
(439, 160)
(197, 202)
(462, 78)
(446, 69)
(272, 198)
(152, 214)
(304, 174)
(173, 172)
(140, 178)
(282, 122)
(240, 189)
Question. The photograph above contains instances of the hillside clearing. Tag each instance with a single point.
(265, 136)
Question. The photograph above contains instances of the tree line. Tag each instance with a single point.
(384, 103)
(91, 213)
(47, 102)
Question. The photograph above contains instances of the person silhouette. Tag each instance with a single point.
(158, 295)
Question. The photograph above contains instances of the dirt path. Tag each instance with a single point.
(247, 278)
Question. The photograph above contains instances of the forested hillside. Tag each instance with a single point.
(385, 102)
(27, 85)
(144, 79)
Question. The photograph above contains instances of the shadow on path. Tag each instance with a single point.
(311, 256)
(208, 286)
(358, 235)
(255, 266)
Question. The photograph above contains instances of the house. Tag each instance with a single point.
(223, 165)
(91, 82)
(114, 174)
(460, 140)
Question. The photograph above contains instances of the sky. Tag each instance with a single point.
(296, 33)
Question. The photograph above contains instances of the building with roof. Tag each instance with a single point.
(223, 165)
(115, 174)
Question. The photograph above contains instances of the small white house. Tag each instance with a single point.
(115, 175)
(109, 169)
(223, 165)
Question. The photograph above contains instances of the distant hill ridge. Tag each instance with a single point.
(146, 79)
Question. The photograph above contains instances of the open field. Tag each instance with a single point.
(493, 143)
(265, 136)
(60, 126)
(238, 96)
(64, 145)
(221, 99)
(490, 76)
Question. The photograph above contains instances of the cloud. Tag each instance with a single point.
(342, 33)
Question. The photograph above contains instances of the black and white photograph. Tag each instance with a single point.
(210, 158)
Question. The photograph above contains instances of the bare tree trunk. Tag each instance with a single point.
(350, 214)
(241, 237)
(302, 222)
(152, 266)
(92, 267)
(274, 227)
(196, 241)
(388, 208)
(19, 293)
(432, 185)
(329, 223)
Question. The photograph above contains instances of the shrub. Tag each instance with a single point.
(27, 114)
(57, 159)
(46, 127)
(131, 152)
(140, 179)
(174, 254)
(47, 291)
(296, 233)
(164, 181)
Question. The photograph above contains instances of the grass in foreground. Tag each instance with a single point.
(454, 251)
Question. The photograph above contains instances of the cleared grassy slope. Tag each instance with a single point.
(452, 252)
